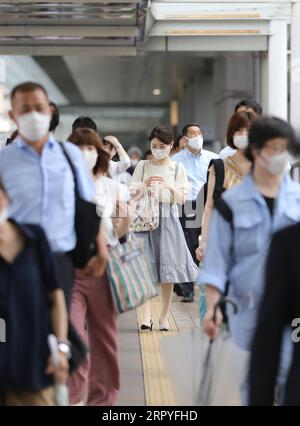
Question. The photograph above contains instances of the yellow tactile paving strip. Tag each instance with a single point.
(157, 383)
(158, 387)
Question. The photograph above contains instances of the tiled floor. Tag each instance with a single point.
(132, 377)
(146, 365)
(133, 392)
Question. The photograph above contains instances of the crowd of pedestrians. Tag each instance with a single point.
(243, 247)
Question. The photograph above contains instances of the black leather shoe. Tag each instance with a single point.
(188, 298)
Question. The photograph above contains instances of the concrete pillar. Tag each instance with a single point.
(264, 81)
(196, 105)
(256, 76)
(233, 81)
(295, 67)
(277, 69)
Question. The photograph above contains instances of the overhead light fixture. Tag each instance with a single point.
(156, 92)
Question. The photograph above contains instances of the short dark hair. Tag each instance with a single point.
(238, 121)
(162, 133)
(176, 143)
(27, 87)
(55, 117)
(249, 103)
(84, 123)
(81, 137)
(267, 128)
(186, 128)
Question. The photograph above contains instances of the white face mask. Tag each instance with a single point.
(90, 157)
(240, 141)
(33, 126)
(195, 143)
(3, 216)
(134, 162)
(159, 154)
(276, 164)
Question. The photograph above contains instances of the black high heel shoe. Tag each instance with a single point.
(147, 327)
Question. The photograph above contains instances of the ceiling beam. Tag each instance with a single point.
(223, 1)
(59, 72)
(114, 105)
(73, 1)
(118, 112)
(222, 11)
(173, 28)
(61, 50)
(216, 43)
(67, 31)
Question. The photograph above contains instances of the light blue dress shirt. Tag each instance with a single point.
(196, 168)
(41, 188)
(239, 255)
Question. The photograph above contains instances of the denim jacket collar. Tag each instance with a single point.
(250, 191)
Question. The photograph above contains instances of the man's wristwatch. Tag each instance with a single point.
(64, 347)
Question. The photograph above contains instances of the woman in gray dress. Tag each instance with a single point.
(165, 246)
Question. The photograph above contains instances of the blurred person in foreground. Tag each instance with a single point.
(279, 313)
(97, 380)
(40, 182)
(32, 305)
(240, 230)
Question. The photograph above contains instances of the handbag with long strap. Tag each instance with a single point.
(87, 223)
(146, 214)
(130, 278)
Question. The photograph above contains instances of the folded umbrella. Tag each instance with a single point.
(204, 372)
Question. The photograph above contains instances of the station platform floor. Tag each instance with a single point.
(145, 380)
(144, 377)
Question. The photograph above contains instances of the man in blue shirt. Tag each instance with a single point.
(195, 160)
(40, 183)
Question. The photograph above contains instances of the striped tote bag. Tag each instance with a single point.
(130, 278)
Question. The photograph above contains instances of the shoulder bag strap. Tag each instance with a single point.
(176, 170)
(143, 173)
(225, 211)
(227, 214)
(71, 167)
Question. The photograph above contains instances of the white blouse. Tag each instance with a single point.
(107, 194)
(117, 167)
(147, 168)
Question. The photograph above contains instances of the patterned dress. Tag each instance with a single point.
(233, 174)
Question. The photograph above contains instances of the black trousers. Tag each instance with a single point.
(191, 232)
(66, 274)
